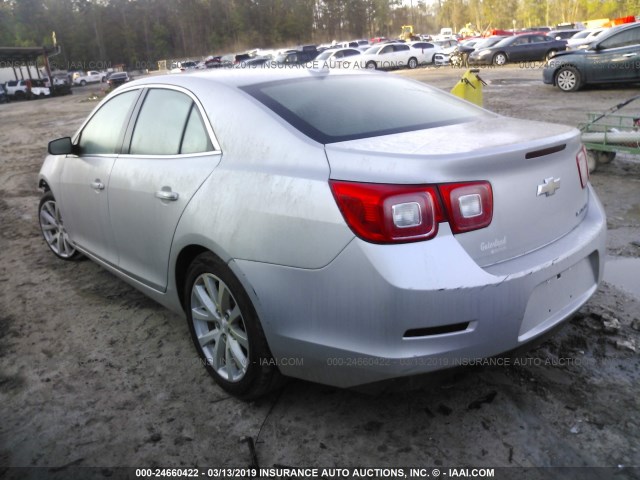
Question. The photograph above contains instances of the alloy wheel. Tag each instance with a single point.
(219, 327)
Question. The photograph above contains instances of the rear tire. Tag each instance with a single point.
(606, 157)
(592, 161)
(412, 63)
(226, 331)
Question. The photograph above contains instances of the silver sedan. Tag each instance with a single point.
(306, 229)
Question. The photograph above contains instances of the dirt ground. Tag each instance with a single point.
(94, 374)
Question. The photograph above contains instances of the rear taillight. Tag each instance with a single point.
(469, 206)
(382, 213)
(583, 166)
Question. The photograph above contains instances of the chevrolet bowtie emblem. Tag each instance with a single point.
(549, 186)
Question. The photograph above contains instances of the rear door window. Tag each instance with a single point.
(169, 124)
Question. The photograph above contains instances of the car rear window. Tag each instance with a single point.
(348, 107)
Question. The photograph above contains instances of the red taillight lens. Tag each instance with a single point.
(583, 166)
(469, 206)
(382, 213)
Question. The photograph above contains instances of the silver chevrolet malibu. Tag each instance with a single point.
(344, 227)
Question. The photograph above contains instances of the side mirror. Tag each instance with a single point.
(61, 146)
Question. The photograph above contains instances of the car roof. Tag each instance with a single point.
(245, 77)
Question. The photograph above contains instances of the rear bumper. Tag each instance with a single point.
(379, 312)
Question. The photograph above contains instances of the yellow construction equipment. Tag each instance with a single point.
(470, 87)
(407, 33)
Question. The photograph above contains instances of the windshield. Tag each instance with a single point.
(504, 42)
(324, 55)
(347, 107)
(488, 42)
(582, 34)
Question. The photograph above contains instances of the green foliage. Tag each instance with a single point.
(96, 34)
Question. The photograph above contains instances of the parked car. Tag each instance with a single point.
(38, 88)
(613, 57)
(336, 57)
(565, 34)
(118, 78)
(92, 76)
(298, 56)
(213, 62)
(27, 89)
(305, 228)
(17, 89)
(254, 62)
(527, 47)
(4, 98)
(447, 47)
(386, 56)
(584, 37)
(424, 51)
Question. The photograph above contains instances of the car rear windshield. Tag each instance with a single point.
(332, 109)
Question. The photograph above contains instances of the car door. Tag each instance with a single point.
(386, 57)
(402, 53)
(84, 178)
(537, 48)
(517, 50)
(616, 58)
(425, 50)
(171, 152)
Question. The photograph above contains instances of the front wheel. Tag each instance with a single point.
(226, 331)
(568, 79)
(53, 229)
(499, 59)
(82, 83)
(371, 65)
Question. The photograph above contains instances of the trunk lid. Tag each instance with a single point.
(518, 158)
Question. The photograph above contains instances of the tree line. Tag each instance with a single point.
(99, 33)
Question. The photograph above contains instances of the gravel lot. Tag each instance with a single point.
(94, 374)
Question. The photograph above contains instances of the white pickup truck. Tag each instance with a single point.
(92, 76)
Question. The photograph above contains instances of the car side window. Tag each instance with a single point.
(400, 48)
(169, 124)
(103, 133)
(195, 138)
(622, 39)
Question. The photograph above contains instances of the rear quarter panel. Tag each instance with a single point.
(269, 199)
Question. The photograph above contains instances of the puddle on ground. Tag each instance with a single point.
(513, 81)
(623, 273)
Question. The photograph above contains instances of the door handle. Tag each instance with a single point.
(97, 185)
(167, 195)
